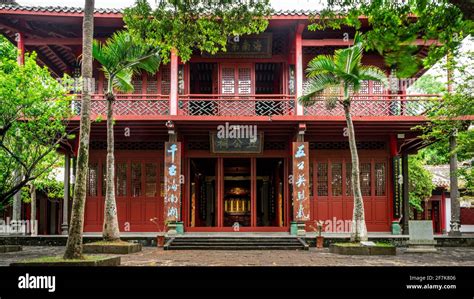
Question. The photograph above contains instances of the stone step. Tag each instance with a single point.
(239, 247)
(235, 243)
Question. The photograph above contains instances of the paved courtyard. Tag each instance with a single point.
(151, 256)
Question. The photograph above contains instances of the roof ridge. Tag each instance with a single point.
(59, 8)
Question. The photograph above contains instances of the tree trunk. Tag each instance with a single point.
(358, 229)
(33, 225)
(110, 230)
(454, 193)
(74, 240)
(16, 206)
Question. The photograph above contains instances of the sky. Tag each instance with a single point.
(277, 4)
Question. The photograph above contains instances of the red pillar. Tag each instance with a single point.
(299, 65)
(174, 83)
(21, 48)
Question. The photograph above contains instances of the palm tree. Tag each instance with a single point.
(344, 71)
(74, 240)
(121, 57)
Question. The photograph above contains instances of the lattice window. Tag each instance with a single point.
(322, 179)
(380, 179)
(365, 179)
(121, 173)
(377, 87)
(137, 84)
(150, 179)
(165, 80)
(136, 179)
(228, 80)
(92, 179)
(152, 85)
(245, 81)
(336, 184)
(364, 87)
(279, 44)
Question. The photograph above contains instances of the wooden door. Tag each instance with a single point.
(237, 85)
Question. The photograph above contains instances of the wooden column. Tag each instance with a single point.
(253, 192)
(220, 192)
(21, 48)
(67, 179)
(174, 83)
(405, 195)
(299, 66)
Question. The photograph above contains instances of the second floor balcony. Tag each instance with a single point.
(201, 106)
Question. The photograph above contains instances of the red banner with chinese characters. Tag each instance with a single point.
(172, 181)
(301, 205)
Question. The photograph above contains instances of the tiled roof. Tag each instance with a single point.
(58, 9)
(78, 10)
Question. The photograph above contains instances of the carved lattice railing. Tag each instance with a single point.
(379, 105)
(244, 105)
(261, 105)
(128, 104)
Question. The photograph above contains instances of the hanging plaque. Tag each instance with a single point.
(172, 196)
(397, 190)
(248, 46)
(301, 204)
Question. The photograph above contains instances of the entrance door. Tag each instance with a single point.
(333, 190)
(203, 192)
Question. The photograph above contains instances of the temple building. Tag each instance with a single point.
(246, 180)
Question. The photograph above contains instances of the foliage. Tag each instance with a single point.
(195, 24)
(122, 56)
(420, 182)
(428, 84)
(32, 112)
(7, 50)
(343, 70)
(393, 29)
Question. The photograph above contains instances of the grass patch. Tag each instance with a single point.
(60, 259)
(351, 244)
(383, 244)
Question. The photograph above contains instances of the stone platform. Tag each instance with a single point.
(149, 239)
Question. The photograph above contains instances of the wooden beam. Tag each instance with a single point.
(58, 41)
(327, 42)
(52, 41)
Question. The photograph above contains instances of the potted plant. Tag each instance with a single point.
(319, 230)
(160, 238)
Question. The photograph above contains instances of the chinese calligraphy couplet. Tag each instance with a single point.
(172, 182)
(301, 204)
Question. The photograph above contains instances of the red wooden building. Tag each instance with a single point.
(256, 82)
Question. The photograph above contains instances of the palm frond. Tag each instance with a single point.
(123, 80)
(373, 73)
(317, 85)
(123, 55)
(319, 65)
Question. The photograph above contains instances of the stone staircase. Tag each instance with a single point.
(235, 243)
